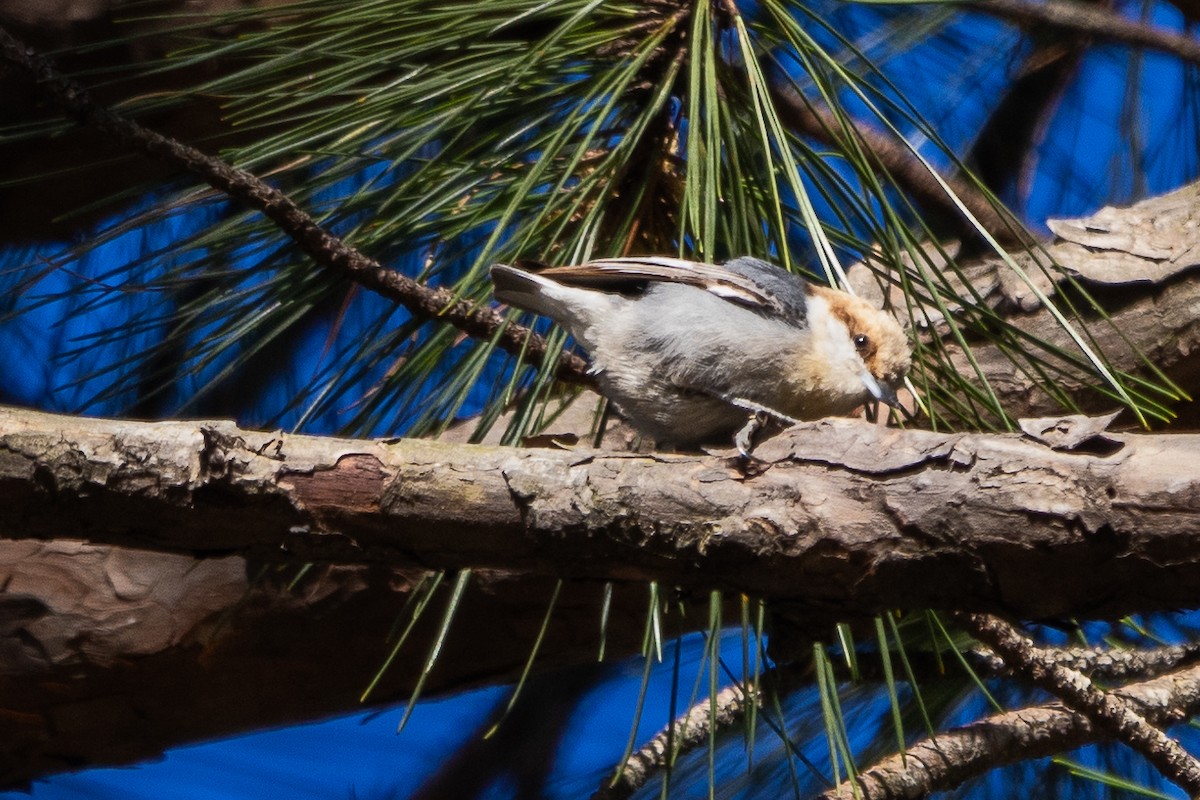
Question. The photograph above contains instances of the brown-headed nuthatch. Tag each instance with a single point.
(693, 353)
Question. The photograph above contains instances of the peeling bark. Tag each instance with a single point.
(1139, 263)
(109, 656)
(844, 520)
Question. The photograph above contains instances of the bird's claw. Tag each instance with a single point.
(744, 438)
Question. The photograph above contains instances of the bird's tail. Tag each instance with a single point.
(527, 290)
(576, 309)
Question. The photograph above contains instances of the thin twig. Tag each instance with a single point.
(1092, 19)
(688, 731)
(1117, 665)
(1077, 692)
(423, 302)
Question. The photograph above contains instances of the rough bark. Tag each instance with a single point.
(90, 621)
(111, 655)
(690, 730)
(1149, 244)
(1106, 710)
(1139, 265)
(1036, 732)
(843, 519)
(1161, 322)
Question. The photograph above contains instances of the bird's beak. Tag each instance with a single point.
(880, 391)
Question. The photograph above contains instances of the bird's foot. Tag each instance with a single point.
(744, 438)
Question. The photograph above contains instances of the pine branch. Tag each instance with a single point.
(808, 118)
(1036, 732)
(1107, 664)
(691, 729)
(1091, 19)
(1122, 665)
(906, 519)
(687, 732)
(423, 302)
(1107, 711)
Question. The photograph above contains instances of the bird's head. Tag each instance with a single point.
(862, 340)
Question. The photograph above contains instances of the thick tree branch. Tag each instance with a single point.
(1106, 711)
(1093, 20)
(423, 302)
(847, 520)
(110, 655)
(1036, 732)
(1138, 263)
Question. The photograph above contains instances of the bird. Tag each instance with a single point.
(694, 353)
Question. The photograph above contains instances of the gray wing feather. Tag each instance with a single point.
(747, 281)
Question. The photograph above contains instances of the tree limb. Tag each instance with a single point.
(808, 118)
(687, 732)
(1138, 263)
(1091, 19)
(847, 521)
(110, 656)
(1036, 732)
(1107, 711)
(423, 302)
(691, 729)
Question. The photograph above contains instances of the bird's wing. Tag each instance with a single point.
(745, 281)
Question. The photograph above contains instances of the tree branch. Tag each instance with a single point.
(111, 655)
(1138, 263)
(871, 520)
(691, 729)
(423, 302)
(1107, 664)
(1036, 732)
(687, 732)
(817, 121)
(1093, 20)
(1107, 711)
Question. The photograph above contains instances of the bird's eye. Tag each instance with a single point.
(861, 341)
